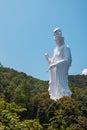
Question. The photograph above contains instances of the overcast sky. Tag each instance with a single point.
(26, 33)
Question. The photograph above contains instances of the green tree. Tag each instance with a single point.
(9, 114)
(30, 125)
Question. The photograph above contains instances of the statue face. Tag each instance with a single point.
(59, 41)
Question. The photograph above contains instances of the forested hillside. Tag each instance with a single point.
(25, 103)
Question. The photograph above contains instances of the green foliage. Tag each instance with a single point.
(10, 118)
(9, 114)
(30, 125)
(25, 103)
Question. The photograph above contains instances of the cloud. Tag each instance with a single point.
(84, 72)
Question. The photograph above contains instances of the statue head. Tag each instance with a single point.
(59, 39)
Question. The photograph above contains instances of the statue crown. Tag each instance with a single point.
(57, 32)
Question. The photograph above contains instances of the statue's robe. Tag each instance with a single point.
(58, 83)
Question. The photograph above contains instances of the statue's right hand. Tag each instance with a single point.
(46, 55)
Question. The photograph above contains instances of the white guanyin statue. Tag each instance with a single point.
(58, 66)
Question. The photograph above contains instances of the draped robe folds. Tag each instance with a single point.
(58, 83)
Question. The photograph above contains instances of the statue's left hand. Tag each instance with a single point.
(52, 66)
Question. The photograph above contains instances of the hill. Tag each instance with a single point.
(25, 102)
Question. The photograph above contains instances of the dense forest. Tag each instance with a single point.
(25, 103)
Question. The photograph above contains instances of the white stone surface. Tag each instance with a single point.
(84, 72)
(58, 66)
